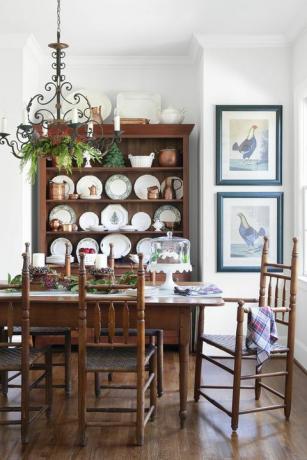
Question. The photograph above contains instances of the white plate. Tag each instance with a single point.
(97, 228)
(88, 219)
(177, 186)
(87, 243)
(141, 221)
(142, 183)
(127, 228)
(58, 260)
(58, 247)
(118, 187)
(95, 98)
(168, 213)
(64, 213)
(122, 245)
(69, 185)
(86, 182)
(144, 246)
(132, 104)
(114, 216)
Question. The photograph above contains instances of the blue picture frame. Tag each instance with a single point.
(221, 197)
(220, 179)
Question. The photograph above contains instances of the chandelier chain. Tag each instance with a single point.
(59, 17)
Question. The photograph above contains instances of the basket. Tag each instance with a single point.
(141, 161)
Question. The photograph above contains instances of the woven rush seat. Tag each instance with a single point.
(119, 359)
(132, 332)
(44, 330)
(10, 358)
(228, 344)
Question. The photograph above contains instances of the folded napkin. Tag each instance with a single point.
(198, 291)
(261, 332)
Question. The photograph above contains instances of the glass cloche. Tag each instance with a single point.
(169, 255)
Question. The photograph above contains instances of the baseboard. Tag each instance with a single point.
(300, 366)
(300, 354)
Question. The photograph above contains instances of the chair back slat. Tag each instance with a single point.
(282, 287)
(111, 322)
(270, 292)
(97, 322)
(126, 322)
(10, 322)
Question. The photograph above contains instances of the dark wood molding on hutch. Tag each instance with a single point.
(137, 140)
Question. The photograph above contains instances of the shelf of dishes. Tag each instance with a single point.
(114, 217)
(90, 232)
(117, 187)
(122, 247)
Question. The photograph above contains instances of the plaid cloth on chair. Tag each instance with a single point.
(261, 332)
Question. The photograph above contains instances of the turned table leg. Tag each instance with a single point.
(184, 341)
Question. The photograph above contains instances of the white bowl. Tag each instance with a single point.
(142, 161)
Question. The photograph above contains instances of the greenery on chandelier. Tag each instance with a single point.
(64, 149)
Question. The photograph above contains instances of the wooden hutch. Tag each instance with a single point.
(137, 140)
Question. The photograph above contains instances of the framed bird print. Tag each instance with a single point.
(248, 144)
(243, 219)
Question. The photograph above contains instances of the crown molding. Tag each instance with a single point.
(242, 41)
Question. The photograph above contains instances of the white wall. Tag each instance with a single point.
(240, 76)
(299, 181)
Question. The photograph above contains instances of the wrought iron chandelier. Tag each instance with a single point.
(59, 111)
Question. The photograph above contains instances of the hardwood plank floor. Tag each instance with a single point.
(207, 436)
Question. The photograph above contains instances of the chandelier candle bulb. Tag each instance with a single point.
(4, 125)
(38, 259)
(75, 116)
(90, 129)
(45, 130)
(101, 261)
(116, 120)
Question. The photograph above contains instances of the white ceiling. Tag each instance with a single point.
(149, 27)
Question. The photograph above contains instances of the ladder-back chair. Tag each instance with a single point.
(21, 357)
(277, 290)
(115, 356)
(155, 337)
(46, 332)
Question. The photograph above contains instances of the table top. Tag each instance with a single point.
(67, 297)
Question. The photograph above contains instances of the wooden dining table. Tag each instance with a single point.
(165, 311)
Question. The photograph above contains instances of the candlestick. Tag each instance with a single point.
(74, 116)
(38, 259)
(4, 125)
(116, 120)
(101, 261)
(90, 129)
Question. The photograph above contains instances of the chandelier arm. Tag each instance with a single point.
(13, 146)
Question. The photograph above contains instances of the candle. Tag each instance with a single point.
(90, 129)
(25, 117)
(75, 116)
(38, 259)
(45, 129)
(116, 120)
(4, 125)
(101, 261)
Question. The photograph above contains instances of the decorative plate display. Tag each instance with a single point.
(88, 243)
(141, 221)
(122, 245)
(168, 213)
(58, 247)
(133, 104)
(177, 186)
(69, 185)
(84, 184)
(64, 213)
(142, 183)
(88, 219)
(114, 216)
(95, 98)
(144, 246)
(118, 187)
